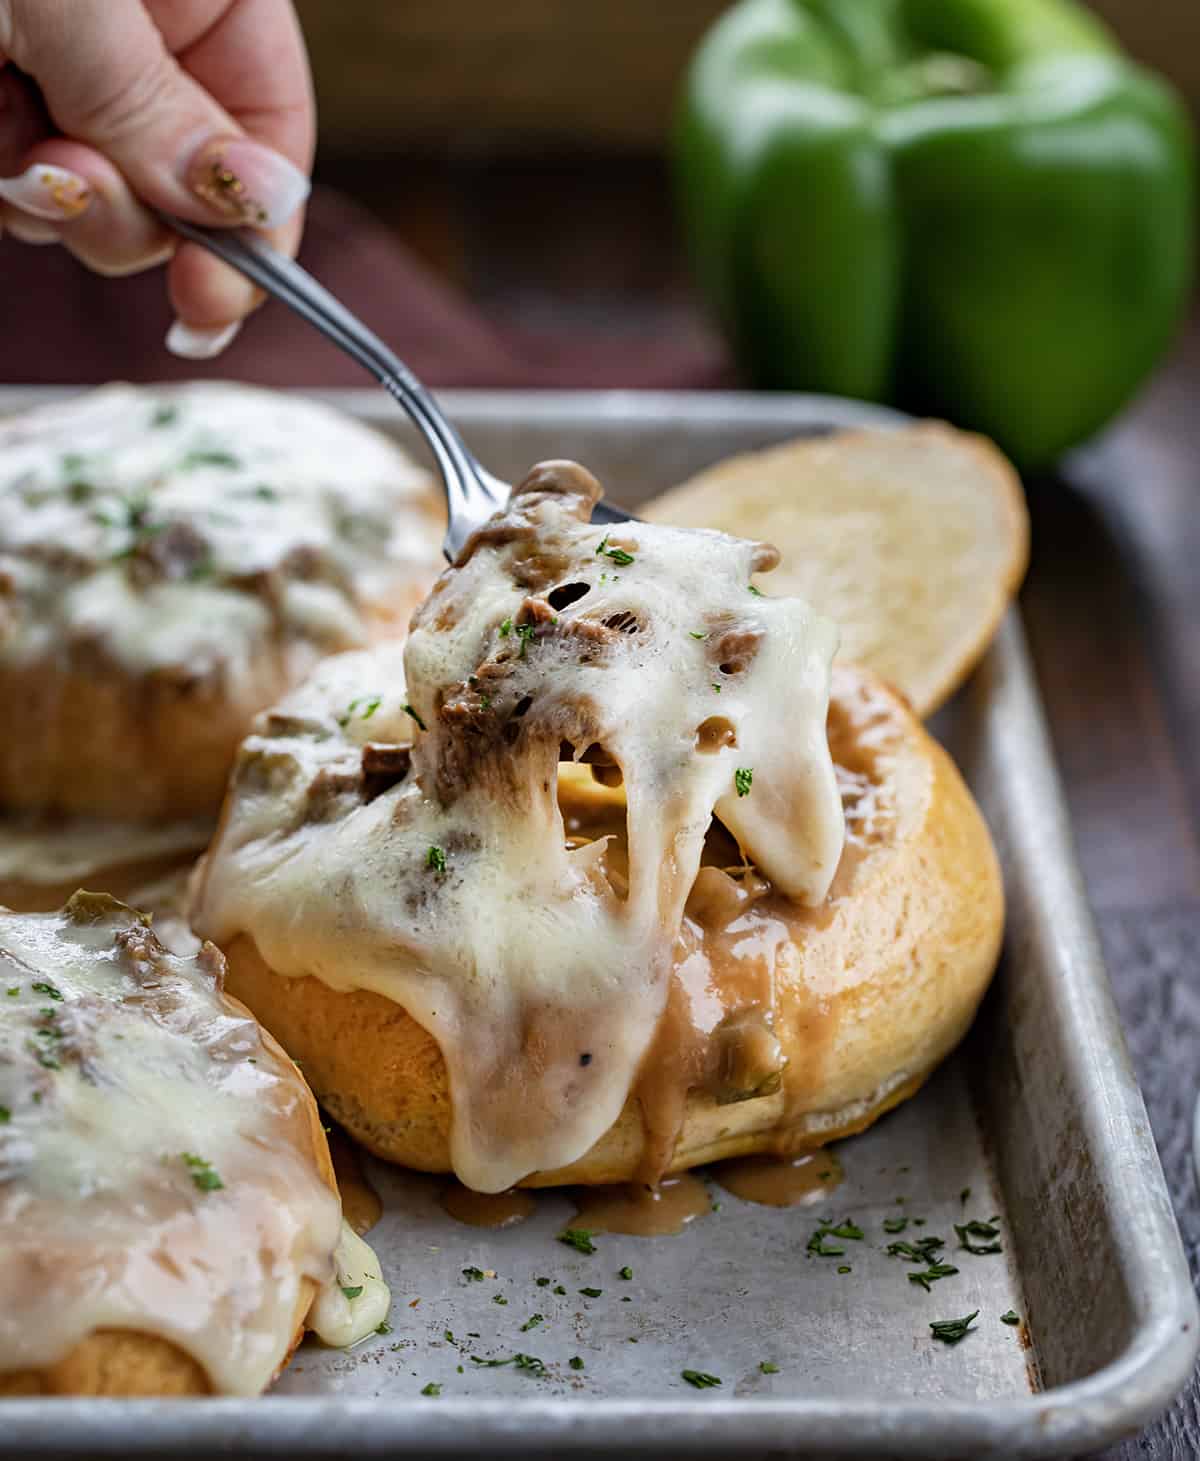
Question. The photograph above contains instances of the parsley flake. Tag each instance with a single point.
(383, 1327)
(202, 1173)
(575, 1362)
(435, 860)
(432, 1389)
(525, 633)
(506, 628)
(625, 1272)
(475, 1275)
(532, 1323)
(767, 1368)
(1010, 1317)
(757, 592)
(578, 1238)
(5, 1115)
(932, 1274)
(499, 1299)
(352, 1291)
(950, 1331)
(618, 555)
(165, 416)
(591, 1293)
(208, 458)
(43, 987)
(408, 710)
(697, 634)
(845, 1229)
(700, 1379)
(895, 1225)
(975, 1230)
(542, 1283)
(818, 1247)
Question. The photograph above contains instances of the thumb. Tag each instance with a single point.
(108, 79)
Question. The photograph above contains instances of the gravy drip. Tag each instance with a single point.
(540, 962)
(780, 1181)
(639, 1210)
(159, 1161)
(487, 1209)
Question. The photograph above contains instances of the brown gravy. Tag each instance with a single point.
(640, 1210)
(487, 1209)
(780, 1181)
(361, 1206)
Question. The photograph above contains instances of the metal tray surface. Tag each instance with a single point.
(1038, 1114)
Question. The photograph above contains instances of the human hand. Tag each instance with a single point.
(109, 108)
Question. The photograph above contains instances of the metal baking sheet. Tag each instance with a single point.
(1038, 1114)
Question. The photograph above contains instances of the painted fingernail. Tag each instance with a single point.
(48, 192)
(246, 182)
(193, 344)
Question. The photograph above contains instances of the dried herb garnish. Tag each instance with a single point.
(525, 633)
(383, 1327)
(700, 1379)
(922, 1250)
(591, 1293)
(1010, 1317)
(818, 1246)
(408, 710)
(499, 1299)
(203, 1175)
(529, 1362)
(435, 860)
(475, 1275)
(950, 1331)
(932, 1274)
(42, 987)
(542, 1283)
(578, 1238)
(432, 1389)
(5, 1115)
(575, 1362)
(532, 1323)
(895, 1225)
(845, 1229)
(618, 555)
(208, 457)
(970, 1233)
(351, 1291)
(625, 1272)
(743, 779)
(767, 1368)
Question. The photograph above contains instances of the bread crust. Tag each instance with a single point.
(126, 1363)
(872, 994)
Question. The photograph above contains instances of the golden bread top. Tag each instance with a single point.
(162, 1167)
(395, 824)
(188, 528)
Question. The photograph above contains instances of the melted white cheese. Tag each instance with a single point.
(540, 979)
(72, 849)
(156, 1167)
(182, 526)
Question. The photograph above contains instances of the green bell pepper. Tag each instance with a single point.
(978, 209)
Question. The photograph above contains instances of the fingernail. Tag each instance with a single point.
(246, 182)
(48, 192)
(193, 344)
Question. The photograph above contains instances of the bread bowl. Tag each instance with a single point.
(761, 925)
(169, 1219)
(172, 560)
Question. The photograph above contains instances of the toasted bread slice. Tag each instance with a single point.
(913, 540)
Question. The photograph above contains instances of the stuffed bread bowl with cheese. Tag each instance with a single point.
(169, 1219)
(172, 560)
(606, 884)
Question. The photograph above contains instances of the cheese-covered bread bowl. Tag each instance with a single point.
(169, 1220)
(172, 560)
(591, 880)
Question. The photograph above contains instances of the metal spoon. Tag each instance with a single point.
(472, 494)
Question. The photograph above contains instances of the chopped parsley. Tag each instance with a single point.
(618, 555)
(475, 1275)
(525, 633)
(895, 1225)
(208, 457)
(408, 710)
(844, 1268)
(716, 687)
(506, 628)
(818, 1246)
(165, 416)
(532, 1323)
(757, 592)
(743, 779)
(499, 1299)
(846, 1229)
(432, 1389)
(542, 1283)
(42, 987)
(767, 1368)
(625, 1272)
(559, 1290)
(578, 1238)
(5, 1115)
(365, 705)
(950, 1331)
(383, 1327)
(351, 1291)
(14, 989)
(932, 1274)
(591, 1293)
(448, 1336)
(435, 860)
(697, 634)
(700, 1379)
(203, 1175)
(1010, 1317)
(923, 1250)
(528, 1362)
(964, 1195)
(575, 1362)
(969, 1235)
